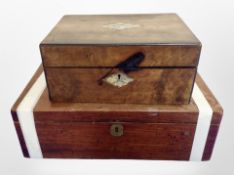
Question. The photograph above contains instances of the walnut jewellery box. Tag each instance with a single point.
(136, 59)
(118, 87)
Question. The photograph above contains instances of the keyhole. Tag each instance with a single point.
(116, 129)
(119, 76)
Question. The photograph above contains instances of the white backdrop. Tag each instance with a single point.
(23, 24)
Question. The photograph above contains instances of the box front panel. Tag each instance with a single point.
(147, 86)
(134, 141)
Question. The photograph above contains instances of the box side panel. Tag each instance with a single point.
(24, 92)
(213, 132)
(215, 105)
(216, 118)
(21, 139)
(15, 106)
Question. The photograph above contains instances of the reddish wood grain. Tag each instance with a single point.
(210, 142)
(21, 139)
(93, 140)
(66, 122)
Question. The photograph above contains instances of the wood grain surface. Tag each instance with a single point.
(216, 118)
(119, 29)
(90, 42)
(68, 123)
(93, 140)
(21, 139)
(94, 56)
(150, 86)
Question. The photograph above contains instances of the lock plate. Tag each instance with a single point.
(116, 130)
(118, 79)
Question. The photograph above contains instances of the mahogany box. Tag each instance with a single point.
(130, 59)
(116, 131)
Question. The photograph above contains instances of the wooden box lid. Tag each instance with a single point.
(105, 40)
(121, 29)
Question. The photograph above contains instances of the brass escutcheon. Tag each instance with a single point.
(116, 130)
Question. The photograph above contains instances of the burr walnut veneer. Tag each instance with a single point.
(82, 50)
(120, 131)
